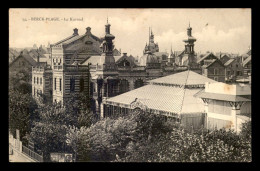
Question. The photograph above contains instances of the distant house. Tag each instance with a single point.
(12, 54)
(214, 69)
(224, 58)
(247, 65)
(116, 52)
(234, 70)
(227, 106)
(206, 57)
(23, 62)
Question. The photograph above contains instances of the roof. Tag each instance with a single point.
(248, 59)
(100, 60)
(243, 117)
(183, 78)
(224, 97)
(130, 59)
(160, 53)
(178, 53)
(204, 57)
(94, 60)
(163, 98)
(27, 57)
(229, 62)
(61, 41)
(212, 62)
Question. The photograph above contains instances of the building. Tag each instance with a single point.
(188, 57)
(171, 96)
(13, 54)
(208, 56)
(93, 65)
(42, 81)
(214, 69)
(247, 66)
(152, 46)
(234, 70)
(24, 62)
(224, 58)
(227, 106)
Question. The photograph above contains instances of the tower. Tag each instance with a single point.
(151, 47)
(107, 49)
(189, 55)
(189, 42)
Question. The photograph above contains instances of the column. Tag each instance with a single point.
(101, 110)
(206, 109)
(234, 112)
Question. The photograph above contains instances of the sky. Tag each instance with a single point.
(216, 30)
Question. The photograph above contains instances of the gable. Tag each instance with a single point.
(20, 62)
(216, 64)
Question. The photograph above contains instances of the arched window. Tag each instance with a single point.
(81, 84)
(34, 80)
(37, 80)
(40, 80)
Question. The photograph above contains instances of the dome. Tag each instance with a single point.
(151, 58)
(109, 36)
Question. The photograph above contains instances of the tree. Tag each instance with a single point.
(22, 111)
(111, 138)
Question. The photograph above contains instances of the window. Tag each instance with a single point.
(60, 84)
(37, 92)
(81, 84)
(72, 84)
(34, 80)
(228, 72)
(40, 80)
(37, 80)
(215, 71)
(54, 83)
(34, 91)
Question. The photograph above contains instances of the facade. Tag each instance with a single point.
(247, 66)
(234, 70)
(208, 56)
(42, 81)
(171, 96)
(214, 69)
(227, 106)
(23, 62)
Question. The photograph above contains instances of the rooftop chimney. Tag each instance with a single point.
(75, 31)
(88, 30)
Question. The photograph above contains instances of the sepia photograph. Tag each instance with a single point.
(130, 85)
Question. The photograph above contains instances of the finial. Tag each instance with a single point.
(189, 23)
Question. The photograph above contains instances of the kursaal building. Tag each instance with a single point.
(93, 66)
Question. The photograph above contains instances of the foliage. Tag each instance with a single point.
(143, 137)
(22, 111)
(20, 81)
(55, 120)
(109, 138)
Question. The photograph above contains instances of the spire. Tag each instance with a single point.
(149, 34)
